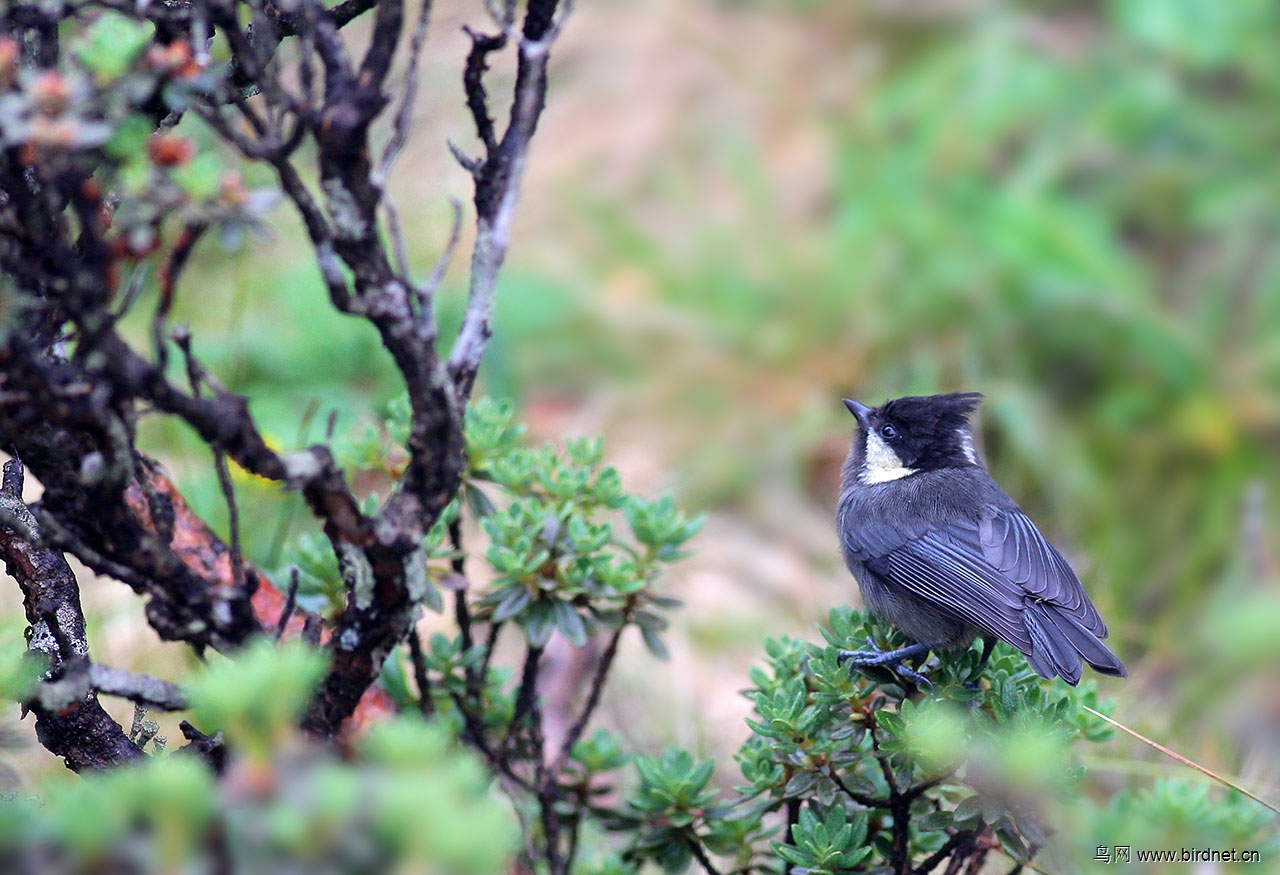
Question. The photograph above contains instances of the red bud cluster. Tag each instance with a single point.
(175, 59)
(170, 150)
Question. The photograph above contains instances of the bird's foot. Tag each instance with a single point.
(890, 659)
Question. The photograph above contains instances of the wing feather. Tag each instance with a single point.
(941, 567)
(1013, 544)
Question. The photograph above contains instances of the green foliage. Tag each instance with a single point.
(1177, 812)
(875, 776)
(828, 846)
(110, 45)
(559, 562)
(257, 697)
(569, 554)
(167, 804)
(844, 772)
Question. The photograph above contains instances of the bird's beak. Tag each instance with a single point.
(860, 411)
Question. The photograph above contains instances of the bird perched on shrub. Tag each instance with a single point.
(943, 553)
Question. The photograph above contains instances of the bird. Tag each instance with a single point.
(940, 551)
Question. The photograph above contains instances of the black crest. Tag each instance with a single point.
(929, 431)
(935, 415)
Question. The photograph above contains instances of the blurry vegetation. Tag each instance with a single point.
(281, 802)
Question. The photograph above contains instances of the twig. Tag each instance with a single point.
(490, 641)
(290, 603)
(954, 844)
(482, 45)
(140, 689)
(425, 705)
(473, 733)
(460, 610)
(169, 275)
(793, 817)
(311, 626)
(526, 696)
(194, 376)
(861, 798)
(498, 178)
(409, 92)
(429, 287)
(593, 700)
(900, 810)
(699, 854)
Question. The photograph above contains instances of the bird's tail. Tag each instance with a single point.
(1059, 642)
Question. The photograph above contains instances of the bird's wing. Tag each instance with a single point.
(947, 566)
(1014, 546)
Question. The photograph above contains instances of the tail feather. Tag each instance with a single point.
(1059, 641)
(1055, 650)
(1087, 644)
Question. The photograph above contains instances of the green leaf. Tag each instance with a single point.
(477, 502)
(514, 600)
(130, 138)
(935, 820)
(538, 623)
(570, 624)
(109, 45)
(653, 642)
(800, 784)
(1010, 840)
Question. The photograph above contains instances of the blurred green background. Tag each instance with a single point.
(739, 212)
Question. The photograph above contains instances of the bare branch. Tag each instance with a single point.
(589, 707)
(432, 283)
(80, 678)
(78, 730)
(482, 45)
(408, 94)
(425, 705)
(498, 186)
(196, 376)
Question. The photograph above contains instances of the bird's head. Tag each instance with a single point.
(907, 435)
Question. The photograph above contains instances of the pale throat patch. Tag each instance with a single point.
(880, 463)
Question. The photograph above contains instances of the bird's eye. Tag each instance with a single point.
(888, 432)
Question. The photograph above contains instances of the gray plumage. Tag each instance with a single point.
(943, 553)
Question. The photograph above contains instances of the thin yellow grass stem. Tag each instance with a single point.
(1186, 762)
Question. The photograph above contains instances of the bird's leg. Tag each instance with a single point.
(891, 659)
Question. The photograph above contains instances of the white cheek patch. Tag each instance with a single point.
(966, 446)
(880, 463)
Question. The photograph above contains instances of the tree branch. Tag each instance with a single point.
(78, 729)
(498, 177)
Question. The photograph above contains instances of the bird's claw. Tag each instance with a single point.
(891, 659)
